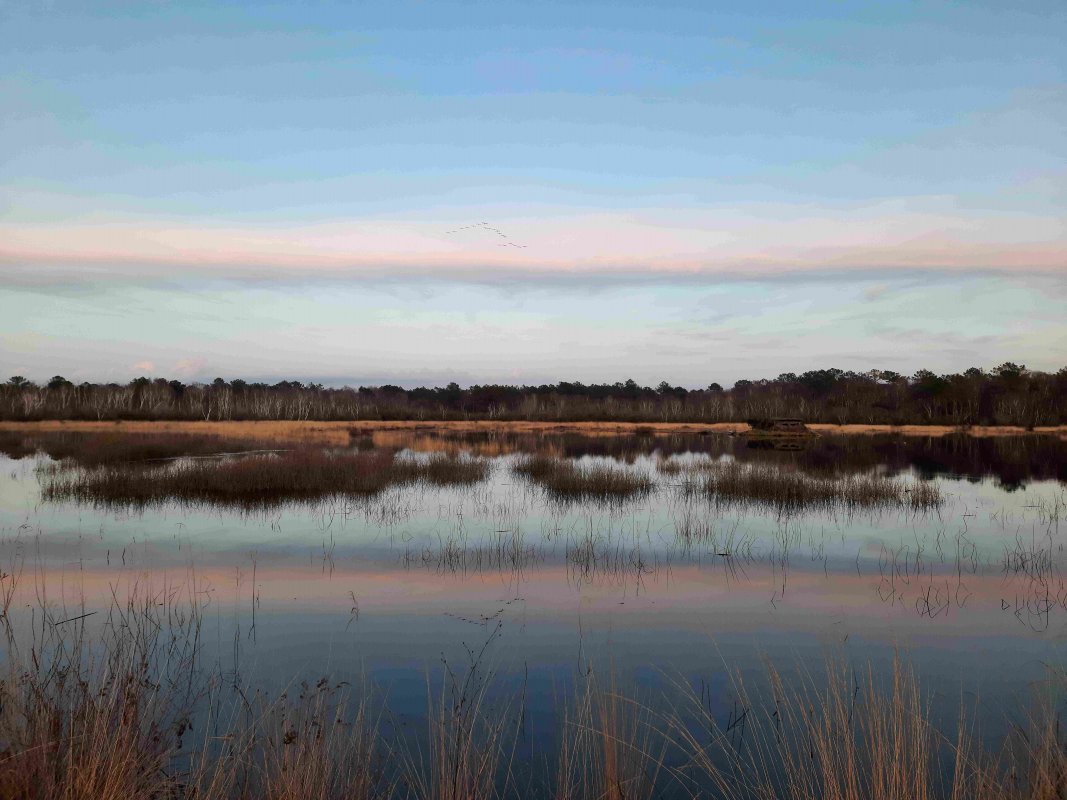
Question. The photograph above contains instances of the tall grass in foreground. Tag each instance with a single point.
(854, 736)
(565, 480)
(610, 747)
(101, 716)
(788, 490)
(312, 742)
(124, 710)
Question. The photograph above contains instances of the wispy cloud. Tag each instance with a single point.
(758, 240)
(189, 367)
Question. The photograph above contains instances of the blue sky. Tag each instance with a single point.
(681, 191)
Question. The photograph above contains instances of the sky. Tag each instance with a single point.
(421, 192)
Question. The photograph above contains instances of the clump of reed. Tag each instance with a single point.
(566, 480)
(924, 495)
(63, 736)
(444, 469)
(789, 490)
(124, 712)
(469, 736)
(313, 741)
(670, 466)
(611, 747)
(258, 480)
(99, 715)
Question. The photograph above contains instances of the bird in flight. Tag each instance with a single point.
(485, 226)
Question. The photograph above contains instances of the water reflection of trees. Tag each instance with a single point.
(1011, 460)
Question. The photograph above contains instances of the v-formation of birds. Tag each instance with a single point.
(485, 226)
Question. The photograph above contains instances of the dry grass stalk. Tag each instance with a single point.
(609, 748)
(859, 737)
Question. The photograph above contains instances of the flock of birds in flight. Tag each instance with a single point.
(485, 226)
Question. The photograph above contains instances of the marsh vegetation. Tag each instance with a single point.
(150, 469)
(252, 480)
(569, 481)
(789, 490)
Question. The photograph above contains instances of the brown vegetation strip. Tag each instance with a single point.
(341, 432)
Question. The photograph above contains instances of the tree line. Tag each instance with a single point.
(1009, 394)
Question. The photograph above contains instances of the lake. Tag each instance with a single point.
(660, 589)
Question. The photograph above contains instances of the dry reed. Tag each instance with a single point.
(252, 481)
(854, 736)
(567, 481)
(788, 490)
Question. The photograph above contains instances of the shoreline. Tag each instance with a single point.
(334, 431)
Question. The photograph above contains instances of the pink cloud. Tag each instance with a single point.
(143, 366)
(917, 233)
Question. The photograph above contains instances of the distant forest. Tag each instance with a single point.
(1007, 395)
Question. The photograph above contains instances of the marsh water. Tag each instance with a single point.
(664, 587)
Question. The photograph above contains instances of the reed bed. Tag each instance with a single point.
(258, 480)
(444, 469)
(788, 490)
(566, 480)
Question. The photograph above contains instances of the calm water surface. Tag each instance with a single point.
(662, 588)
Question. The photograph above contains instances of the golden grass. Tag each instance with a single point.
(609, 748)
(851, 735)
(339, 433)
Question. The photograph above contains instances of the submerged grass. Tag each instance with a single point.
(565, 480)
